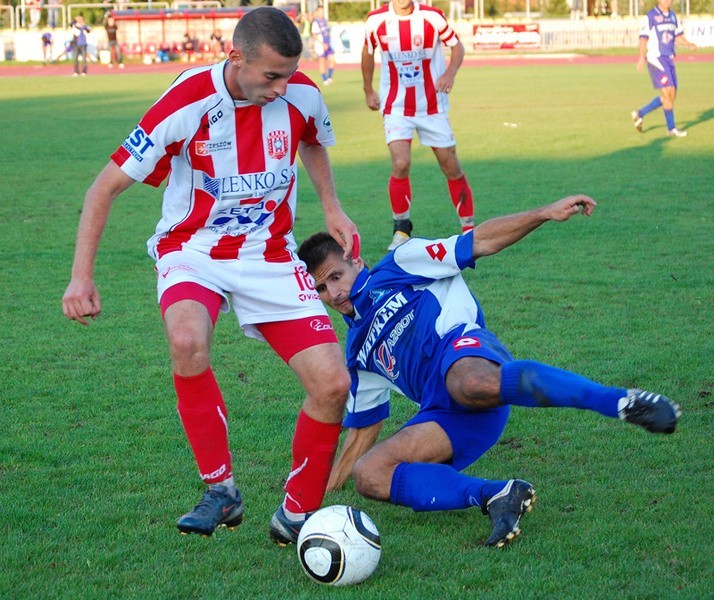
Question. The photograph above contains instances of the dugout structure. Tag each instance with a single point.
(145, 31)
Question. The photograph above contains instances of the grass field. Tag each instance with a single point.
(94, 468)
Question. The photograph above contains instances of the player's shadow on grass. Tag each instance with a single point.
(707, 115)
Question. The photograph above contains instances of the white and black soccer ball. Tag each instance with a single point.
(339, 545)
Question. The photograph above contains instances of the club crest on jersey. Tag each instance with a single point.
(466, 342)
(386, 362)
(277, 144)
(437, 251)
(418, 40)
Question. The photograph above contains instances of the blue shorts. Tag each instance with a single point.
(471, 432)
(663, 77)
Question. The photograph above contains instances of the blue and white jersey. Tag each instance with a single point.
(660, 30)
(417, 290)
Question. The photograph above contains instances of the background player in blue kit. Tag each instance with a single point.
(659, 33)
(415, 327)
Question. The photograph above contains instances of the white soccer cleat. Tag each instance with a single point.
(399, 238)
(677, 132)
(637, 120)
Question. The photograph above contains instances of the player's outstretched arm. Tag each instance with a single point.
(357, 442)
(81, 299)
(494, 235)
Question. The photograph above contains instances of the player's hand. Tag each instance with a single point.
(641, 63)
(345, 233)
(444, 84)
(81, 301)
(565, 208)
(372, 100)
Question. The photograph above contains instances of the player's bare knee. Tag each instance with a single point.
(188, 348)
(475, 383)
(369, 479)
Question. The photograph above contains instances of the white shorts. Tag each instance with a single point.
(260, 292)
(433, 130)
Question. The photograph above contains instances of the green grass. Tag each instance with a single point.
(94, 467)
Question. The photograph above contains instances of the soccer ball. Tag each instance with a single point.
(339, 545)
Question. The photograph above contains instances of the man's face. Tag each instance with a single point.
(403, 7)
(262, 79)
(664, 4)
(333, 281)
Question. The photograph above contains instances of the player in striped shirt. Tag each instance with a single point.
(227, 136)
(413, 96)
(659, 33)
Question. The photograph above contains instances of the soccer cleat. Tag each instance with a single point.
(677, 132)
(402, 233)
(637, 120)
(217, 508)
(654, 412)
(505, 510)
(283, 531)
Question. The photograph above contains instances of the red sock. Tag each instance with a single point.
(205, 420)
(463, 200)
(400, 195)
(314, 447)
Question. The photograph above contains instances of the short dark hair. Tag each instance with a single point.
(269, 26)
(317, 248)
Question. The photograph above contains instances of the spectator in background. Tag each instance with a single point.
(53, 12)
(115, 57)
(218, 44)
(414, 97)
(47, 44)
(190, 46)
(35, 8)
(456, 9)
(323, 48)
(80, 30)
(659, 33)
(302, 22)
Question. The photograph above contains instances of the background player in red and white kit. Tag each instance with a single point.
(413, 96)
(228, 135)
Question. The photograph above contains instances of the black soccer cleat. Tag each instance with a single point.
(505, 510)
(283, 531)
(654, 412)
(217, 508)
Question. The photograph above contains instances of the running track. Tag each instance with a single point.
(495, 60)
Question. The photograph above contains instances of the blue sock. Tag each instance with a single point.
(433, 486)
(669, 117)
(654, 105)
(533, 384)
(329, 73)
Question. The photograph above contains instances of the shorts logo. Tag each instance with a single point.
(168, 271)
(320, 325)
(386, 362)
(664, 80)
(466, 342)
(277, 144)
(436, 251)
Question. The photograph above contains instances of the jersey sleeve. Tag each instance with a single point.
(645, 27)
(368, 402)
(679, 30)
(436, 259)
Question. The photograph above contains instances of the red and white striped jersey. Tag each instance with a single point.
(231, 165)
(412, 58)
